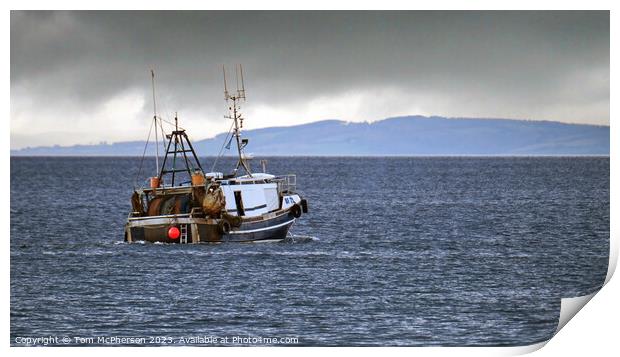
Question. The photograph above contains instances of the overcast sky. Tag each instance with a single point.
(83, 77)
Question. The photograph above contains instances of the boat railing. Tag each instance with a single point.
(286, 183)
(168, 216)
(196, 212)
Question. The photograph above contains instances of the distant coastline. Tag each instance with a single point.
(410, 136)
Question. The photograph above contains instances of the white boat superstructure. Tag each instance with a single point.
(252, 197)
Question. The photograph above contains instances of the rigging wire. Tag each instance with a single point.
(219, 154)
(165, 111)
(167, 122)
(135, 180)
(155, 120)
(163, 135)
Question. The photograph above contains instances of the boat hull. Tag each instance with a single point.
(271, 227)
(274, 229)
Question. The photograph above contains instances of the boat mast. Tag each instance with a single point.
(155, 123)
(236, 116)
(178, 146)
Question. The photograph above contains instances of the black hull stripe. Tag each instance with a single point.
(248, 209)
(262, 229)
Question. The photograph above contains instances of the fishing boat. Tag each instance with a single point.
(184, 204)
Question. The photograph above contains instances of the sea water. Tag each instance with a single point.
(393, 251)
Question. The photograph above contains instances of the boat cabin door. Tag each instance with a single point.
(239, 204)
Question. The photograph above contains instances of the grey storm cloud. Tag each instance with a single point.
(530, 63)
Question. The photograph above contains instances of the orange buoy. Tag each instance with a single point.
(174, 233)
(198, 178)
(154, 182)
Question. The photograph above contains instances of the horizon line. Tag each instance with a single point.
(528, 120)
(490, 156)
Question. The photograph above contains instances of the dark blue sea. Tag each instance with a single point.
(393, 251)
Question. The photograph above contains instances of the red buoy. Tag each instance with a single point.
(174, 233)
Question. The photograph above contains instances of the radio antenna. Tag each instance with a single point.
(237, 77)
(242, 92)
(226, 95)
(235, 115)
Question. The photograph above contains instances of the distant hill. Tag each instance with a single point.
(411, 135)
